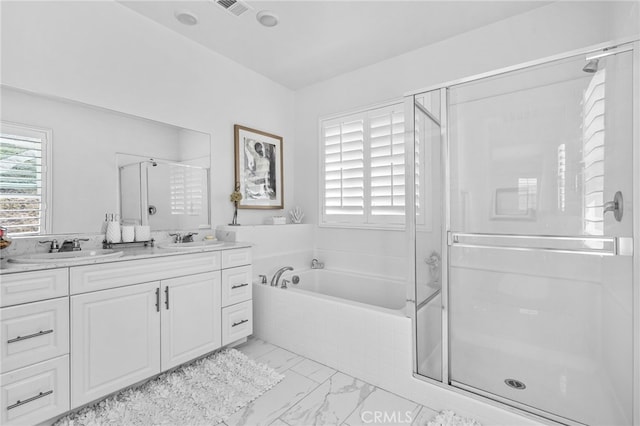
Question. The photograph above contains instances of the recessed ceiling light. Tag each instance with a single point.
(186, 17)
(267, 18)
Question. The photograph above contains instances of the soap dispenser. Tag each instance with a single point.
(113, 229)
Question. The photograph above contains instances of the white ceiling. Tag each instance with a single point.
(317, 40)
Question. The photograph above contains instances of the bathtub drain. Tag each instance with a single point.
(516, 384)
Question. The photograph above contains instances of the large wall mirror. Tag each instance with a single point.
(64, 165)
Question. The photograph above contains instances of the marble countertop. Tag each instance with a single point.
(128, 253)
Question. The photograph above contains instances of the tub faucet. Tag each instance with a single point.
(316, 265)
(278, 274)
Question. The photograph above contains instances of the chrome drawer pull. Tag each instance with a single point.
(239, 285)
(39, 333)
(33, 398)
(238, 323)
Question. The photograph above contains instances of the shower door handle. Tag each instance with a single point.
(615, 206)
(611, 246)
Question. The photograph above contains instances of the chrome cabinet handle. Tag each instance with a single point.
(166, 293)
(240, 322)
(33, 398)
(29, 336)
(157, 299)
(239, 285)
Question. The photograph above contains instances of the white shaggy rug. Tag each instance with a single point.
(207, 391)
(449, 418)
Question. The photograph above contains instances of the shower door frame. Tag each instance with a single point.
(608, 48)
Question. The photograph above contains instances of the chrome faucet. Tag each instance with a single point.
(184, 238)
(315, 264)
(278, 274)
(54, 247)
(72, 245)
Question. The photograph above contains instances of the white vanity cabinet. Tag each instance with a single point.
(237, 308)
(123, 335)
(72, 335)
(34, 342)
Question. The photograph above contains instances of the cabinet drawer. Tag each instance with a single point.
(36, 393)
(236, 257)
(33, 332)
(236, 285)
(23, 287)
(237, 322)
(88, 278)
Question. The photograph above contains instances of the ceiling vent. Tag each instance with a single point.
(234, 7)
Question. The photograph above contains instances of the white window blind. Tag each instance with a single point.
(23, 154)
(344, 167)
(187, 185)
(363, 167)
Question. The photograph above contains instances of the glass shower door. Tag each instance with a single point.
(428, 232)
(540, 266)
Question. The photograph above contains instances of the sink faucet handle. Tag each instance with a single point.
(76, 242)
(54, 247)
(178, 237)
(263, 279)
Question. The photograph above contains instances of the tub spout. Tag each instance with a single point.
(278, 274)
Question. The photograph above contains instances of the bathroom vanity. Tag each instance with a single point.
(74, 333)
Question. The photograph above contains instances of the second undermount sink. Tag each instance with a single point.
(66, 256)
(192, 245)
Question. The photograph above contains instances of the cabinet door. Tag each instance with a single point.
(115, 340)
(190, 317)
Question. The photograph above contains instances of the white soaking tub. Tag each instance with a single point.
(350, 322)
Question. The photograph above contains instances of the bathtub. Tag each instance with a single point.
(350, 322)
(367, 290)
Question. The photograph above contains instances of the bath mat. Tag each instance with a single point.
(207, 391)
(449, 418)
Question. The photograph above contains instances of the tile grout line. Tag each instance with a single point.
(309, 393)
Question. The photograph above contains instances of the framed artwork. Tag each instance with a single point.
(258, 161)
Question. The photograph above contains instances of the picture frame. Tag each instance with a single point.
(258, 168)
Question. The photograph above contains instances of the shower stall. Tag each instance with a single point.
(525, 232)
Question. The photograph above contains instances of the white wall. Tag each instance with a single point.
(542, 32)
(103, 54)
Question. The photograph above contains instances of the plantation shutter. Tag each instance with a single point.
(363, 167)
(22, 171)
(386, 141)
(186, 188)
(343, 141)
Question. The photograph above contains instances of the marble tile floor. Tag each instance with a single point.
(314, 394)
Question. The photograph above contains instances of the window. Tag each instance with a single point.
(187, 185)
(363, 168)
(23, 179)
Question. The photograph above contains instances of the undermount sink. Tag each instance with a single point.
(66, 256)
(192, 245)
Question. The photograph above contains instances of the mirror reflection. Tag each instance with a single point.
(163, 194)
(73, 176)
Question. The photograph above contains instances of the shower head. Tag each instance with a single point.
(591, 67)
